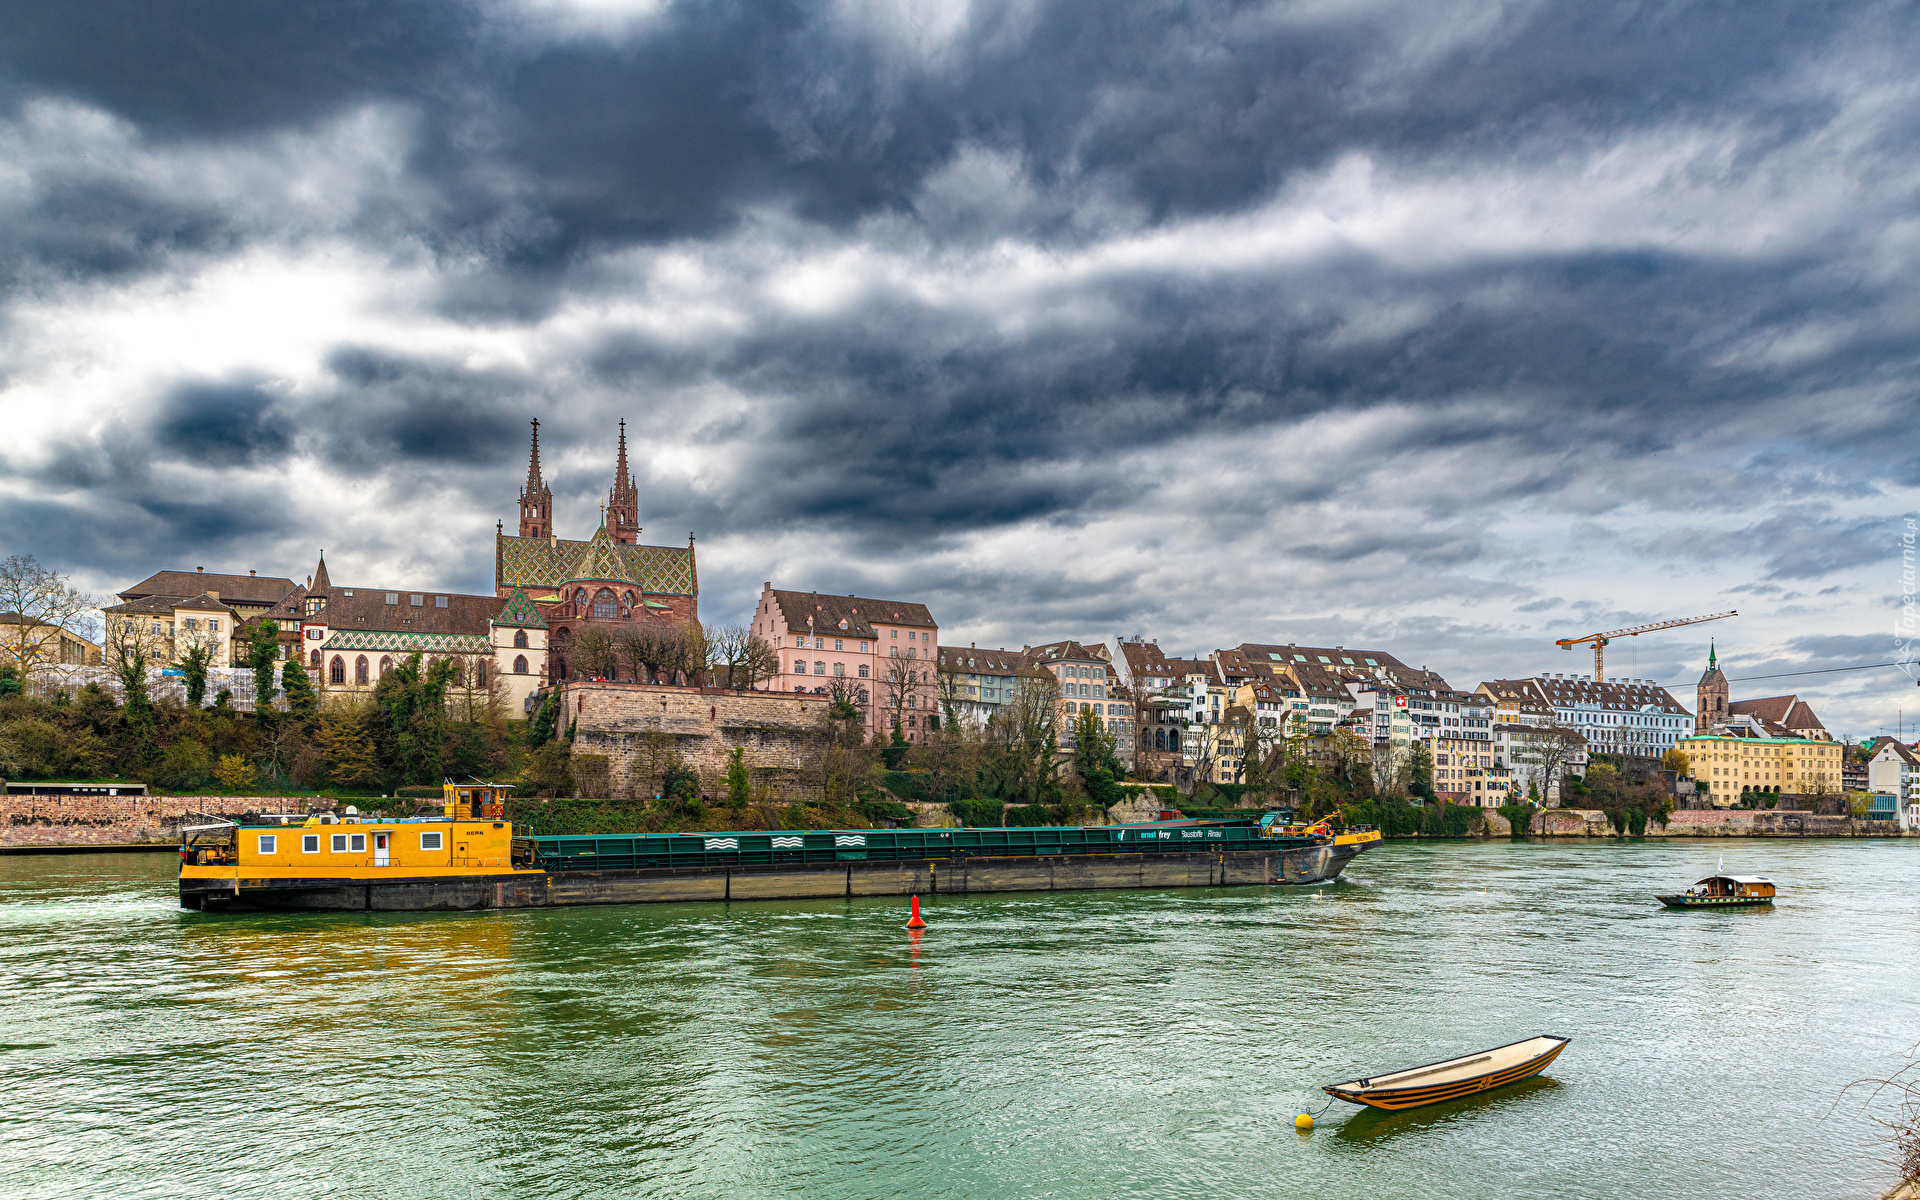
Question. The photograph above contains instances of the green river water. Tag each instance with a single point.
(1072, 1044)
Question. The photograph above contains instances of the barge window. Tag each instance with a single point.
(359, 843)
(339, 843)
(267, 842)
(429, 841)
(310, 844)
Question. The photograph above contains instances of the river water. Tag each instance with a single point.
(1091, 1044)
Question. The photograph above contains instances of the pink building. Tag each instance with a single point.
(883, 655)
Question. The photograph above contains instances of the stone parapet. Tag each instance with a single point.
(29, 821)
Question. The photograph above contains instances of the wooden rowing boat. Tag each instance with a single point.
(1454, 1078)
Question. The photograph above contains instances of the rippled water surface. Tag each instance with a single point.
(1091, 1044)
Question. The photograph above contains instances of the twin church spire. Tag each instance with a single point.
(622, 516)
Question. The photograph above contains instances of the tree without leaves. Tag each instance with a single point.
(36, 606)
(593, 654)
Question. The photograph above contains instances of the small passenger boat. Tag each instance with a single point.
(1723, 891)
(1456, 1077)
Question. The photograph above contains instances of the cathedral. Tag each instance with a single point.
(610, 582)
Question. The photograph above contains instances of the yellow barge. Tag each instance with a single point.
(465, 854)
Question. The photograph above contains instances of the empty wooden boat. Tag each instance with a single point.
(1723, 891)
(1454, 1078)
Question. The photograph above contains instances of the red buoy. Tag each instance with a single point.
(914, 922)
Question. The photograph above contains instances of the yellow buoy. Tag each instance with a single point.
(1303, 1121)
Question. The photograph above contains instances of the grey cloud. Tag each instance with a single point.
(229, 424)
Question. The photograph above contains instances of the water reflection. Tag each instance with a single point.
(1375, 1126)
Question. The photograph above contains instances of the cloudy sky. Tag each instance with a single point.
(1444, 326)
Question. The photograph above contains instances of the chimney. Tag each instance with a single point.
(200, 569)
(253, 574)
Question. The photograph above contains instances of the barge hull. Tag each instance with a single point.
(796, 881)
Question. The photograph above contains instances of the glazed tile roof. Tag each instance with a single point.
(540, 563)
(520, 612)
(390, 641)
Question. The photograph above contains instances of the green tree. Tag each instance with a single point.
(1420, 771)
(738, 783)
(128, 653)
(263, 654)
(193, 662)
(301, 700)
(9, 680)
(1676, 760)
(895, 751)
(1095, 762)
(410, 717)
(351, 759)
(543, 721)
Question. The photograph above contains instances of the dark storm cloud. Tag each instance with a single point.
(223, 425)
(1630, 272)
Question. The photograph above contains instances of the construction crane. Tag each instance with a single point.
(1600, 640)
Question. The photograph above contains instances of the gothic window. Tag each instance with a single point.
(315, 662)
(386, 664)
(629, 600)
(519, 639)
(519, 664)
(360, 669)
(480, 673)
(338, 672)
(605, 607)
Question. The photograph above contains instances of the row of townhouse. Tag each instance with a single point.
(1505, 740)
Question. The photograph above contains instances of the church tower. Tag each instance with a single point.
(536, 501)
(1710, 696)
(623, 502)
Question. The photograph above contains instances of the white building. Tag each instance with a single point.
(1617, 716)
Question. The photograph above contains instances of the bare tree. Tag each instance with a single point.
(593, 654)
(687, 651)
(727, 654)
(1552, 748)
(643, 647)
(1392, 769)
(905, 679)
(36, 607)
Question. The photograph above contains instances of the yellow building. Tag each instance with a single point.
(1726, 765)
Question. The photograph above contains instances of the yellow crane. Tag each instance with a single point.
(1600, 640)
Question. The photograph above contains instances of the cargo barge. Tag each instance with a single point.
(467, 856)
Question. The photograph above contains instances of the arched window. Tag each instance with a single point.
(557, 668)
(315, 663)
(1173, 741)
(520, 664)
(360, 669)
(605, 607)
(480, 673)
(519, 639)
(386, 664)
(338, 673)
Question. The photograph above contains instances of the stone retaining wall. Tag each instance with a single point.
(639, 728)
(1690, 822)
(120, 820)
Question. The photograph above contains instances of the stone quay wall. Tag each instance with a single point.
(80, 821)
(627, 734)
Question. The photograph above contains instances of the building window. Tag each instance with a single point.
(313, 663)
(519, 639)
(193, 623)
(386, 664)
(480, 673)
(267, 843)
(430, 841)
(895, 634)
(838, 645)
(360, 669)
(338, 672)
(865, 671)
(310, 844)
(819, 668)
(840, 670)
(519, 664)
(799, 666)
(605, 607)
(359, 843)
